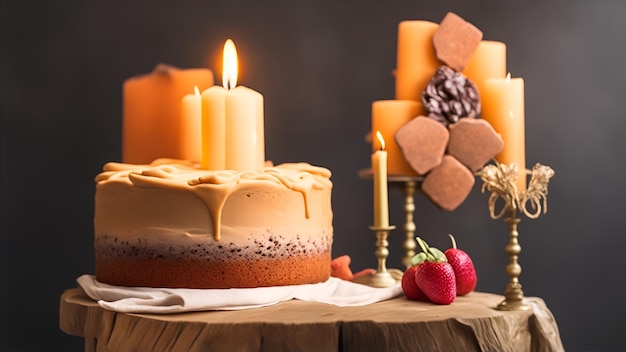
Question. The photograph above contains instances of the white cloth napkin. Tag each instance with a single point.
(169, 300)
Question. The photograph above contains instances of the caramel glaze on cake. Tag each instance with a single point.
(168, 224)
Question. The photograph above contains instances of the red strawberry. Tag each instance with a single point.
(436, 280)
(463, 269)
(411, 291)
(434, 276)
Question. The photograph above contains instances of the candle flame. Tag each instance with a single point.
(380, 138)
(511, 114)
(508, 77)
(196, 91)
(229, 71)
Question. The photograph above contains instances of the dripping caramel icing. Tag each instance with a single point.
(265, 198)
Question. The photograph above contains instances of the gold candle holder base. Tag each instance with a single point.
(409, 185)
(409, 244)
(513, 294)
(500, 179)
(382, 277)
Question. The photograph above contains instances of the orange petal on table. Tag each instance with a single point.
(364, 272)
(340, 268)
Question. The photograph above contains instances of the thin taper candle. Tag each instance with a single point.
(379, 169)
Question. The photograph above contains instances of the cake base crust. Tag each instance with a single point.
(202, 266)
(197, 274)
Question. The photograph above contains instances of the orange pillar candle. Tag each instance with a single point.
(387, 117)
(503, 108)
(381, 199)
(488, 61)
(415, 58)
(153, 122)
(232, 122)
(192, 122)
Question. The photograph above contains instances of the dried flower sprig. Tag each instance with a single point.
(499, 179)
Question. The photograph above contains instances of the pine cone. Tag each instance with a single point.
(450, 96)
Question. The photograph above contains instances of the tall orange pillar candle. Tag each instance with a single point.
(232, 122)
(487, 61)
(415, 58)
(153, 122)
(503, 108)
(381, 199)
(192, 122)
(387, 117)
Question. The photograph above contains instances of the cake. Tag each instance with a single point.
(171, 224)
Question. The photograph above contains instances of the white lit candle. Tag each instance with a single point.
(379, 169)
(232, 122)
(242, 136)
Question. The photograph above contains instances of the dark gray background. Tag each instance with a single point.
(320, 65)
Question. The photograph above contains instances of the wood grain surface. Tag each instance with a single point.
(468, 324)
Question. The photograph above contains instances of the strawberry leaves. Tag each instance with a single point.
(428, 254)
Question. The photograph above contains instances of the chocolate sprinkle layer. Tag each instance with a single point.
(450, 96)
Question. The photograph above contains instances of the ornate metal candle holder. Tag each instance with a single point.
(500, 179)
(383, 277)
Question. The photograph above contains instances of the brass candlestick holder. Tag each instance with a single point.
(500, 179)
(409, 186)
(383, 277)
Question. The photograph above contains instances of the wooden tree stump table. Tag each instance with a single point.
(469, 324)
